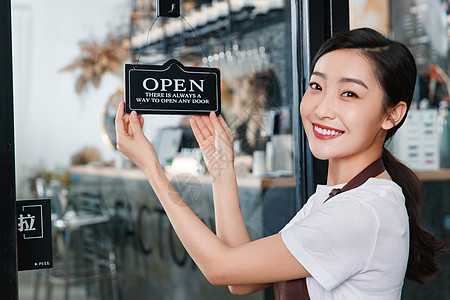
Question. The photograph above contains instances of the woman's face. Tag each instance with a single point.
(342, 109)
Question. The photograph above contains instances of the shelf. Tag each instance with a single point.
(247, 181)
(243, 181)
(442, 174)
(232, 26)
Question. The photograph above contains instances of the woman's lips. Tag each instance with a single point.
(325, 132)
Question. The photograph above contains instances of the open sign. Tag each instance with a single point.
(172, 89)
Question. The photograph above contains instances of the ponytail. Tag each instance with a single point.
(422, 263)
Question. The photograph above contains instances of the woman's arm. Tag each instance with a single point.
(262, 261)
(216, 142)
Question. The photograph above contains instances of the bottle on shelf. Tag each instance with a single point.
(444, 133)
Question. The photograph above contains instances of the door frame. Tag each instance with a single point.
(314, 23)
(8, 245)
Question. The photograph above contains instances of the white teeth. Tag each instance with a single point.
(326, 131)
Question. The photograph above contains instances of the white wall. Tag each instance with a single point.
(52, 121)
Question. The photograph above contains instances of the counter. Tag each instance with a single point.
(149, 256)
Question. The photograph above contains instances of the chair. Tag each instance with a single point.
(83, 250)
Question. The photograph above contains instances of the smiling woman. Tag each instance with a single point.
(366, 101)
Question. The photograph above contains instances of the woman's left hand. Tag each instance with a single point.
(131, 141)
(216, 142)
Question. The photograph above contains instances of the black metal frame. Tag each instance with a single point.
(8, 266)
(315, 22)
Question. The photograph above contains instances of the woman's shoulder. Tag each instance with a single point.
(384, 198)
(383, 189)
(374, 197)
(368, 200)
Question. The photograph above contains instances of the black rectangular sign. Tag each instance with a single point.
(34, 234)
(172, 89)
(168, 8)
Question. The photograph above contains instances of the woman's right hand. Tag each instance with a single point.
(131, 141)
(216, 142)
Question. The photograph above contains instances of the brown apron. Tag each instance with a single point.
(297, 289)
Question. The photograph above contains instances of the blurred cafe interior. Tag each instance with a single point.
(111, 237)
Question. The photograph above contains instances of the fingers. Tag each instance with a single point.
(204, 126)
(126, 124)
(197, 132)
(226, 128)
(208, 124)
(119, 119)
(141, 120)
(135, 123)
(218, 129)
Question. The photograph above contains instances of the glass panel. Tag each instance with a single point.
(423, 142)
(424, 27)
(112, 240)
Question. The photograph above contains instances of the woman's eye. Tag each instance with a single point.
(349, 94)
(315, 86)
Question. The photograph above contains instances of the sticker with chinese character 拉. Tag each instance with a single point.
(34, 236)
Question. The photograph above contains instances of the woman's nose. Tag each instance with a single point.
(325, 107)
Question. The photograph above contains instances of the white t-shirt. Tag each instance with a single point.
(355, 245)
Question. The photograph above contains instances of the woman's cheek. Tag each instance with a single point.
(306, 108)
(303, 108)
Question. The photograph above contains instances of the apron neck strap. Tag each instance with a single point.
(373, 170)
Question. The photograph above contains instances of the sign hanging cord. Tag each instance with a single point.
(148, 34)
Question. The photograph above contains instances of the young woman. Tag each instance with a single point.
(360, 243)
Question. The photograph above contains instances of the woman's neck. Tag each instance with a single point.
(342, 170)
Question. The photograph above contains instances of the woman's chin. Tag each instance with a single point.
(321, 157)
(320, 153)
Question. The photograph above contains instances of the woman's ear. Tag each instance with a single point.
(395, 115)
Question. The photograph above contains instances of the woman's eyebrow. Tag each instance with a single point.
(342, 80)
(357, 81)
(319, 74)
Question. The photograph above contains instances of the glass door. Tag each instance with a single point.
(111, 238)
